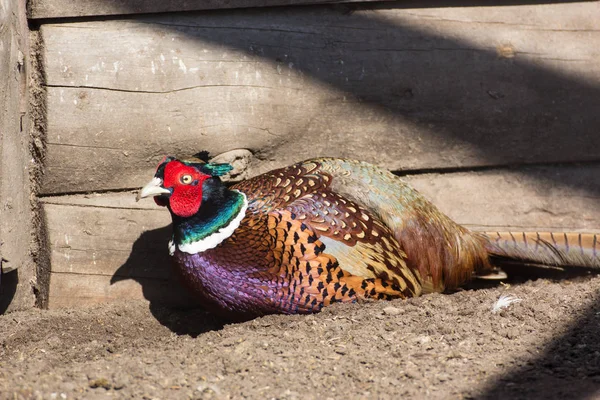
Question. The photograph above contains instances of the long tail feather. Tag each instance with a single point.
(546, 248)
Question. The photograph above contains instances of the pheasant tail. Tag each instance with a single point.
(546, 248)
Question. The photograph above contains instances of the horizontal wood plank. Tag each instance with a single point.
(81, 290)
(545, 198)
(40, 9)
(96, 238)
(108, 248)
(407, 89)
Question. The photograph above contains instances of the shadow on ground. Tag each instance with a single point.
(574, 356)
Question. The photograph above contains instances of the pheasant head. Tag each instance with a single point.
(204, 211)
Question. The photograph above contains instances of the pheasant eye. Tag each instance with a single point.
(186, 179)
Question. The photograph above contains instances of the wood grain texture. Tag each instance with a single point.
(404, 88)
(102, 237)
(550, 198)
(40, 9)
(16, 223)
(95, 235)
(76, 290)
(108, 248)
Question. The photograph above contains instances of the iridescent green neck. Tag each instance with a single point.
(219, 215)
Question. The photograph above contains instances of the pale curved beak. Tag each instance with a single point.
(153, 188)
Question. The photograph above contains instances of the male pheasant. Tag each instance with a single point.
(327, 230)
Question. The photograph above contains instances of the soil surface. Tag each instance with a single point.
(436, 347)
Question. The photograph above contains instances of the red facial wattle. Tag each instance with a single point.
(185, 182)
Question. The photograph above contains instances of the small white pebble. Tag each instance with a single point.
(392, 311)
(504, 301)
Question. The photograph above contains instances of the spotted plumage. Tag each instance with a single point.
(322, 231)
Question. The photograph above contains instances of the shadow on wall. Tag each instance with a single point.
(8, 288)
(490, 104)
(531, 114)
(149, 264)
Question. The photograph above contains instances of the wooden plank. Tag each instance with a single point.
(39, 9)
(96, 238)
(76, 290)
(408, 89)
(16, 217)
(108, 247)
(104, 200)
(550, 198)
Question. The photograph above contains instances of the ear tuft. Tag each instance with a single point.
(217, 169)
(202, 155)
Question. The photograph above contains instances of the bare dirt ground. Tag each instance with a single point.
(436, 346)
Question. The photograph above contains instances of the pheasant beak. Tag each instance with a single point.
(153, 188)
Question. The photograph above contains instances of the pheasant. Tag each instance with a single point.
(300, 238)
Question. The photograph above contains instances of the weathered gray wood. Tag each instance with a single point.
(39, 9)
(96, 237)
(408, 89)
(550, 198)
(99, 237)
(107, 248)
(16, 223)
(77, 290)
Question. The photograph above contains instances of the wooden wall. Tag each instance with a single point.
(491, 111)
(44, 9)
(18, 278)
